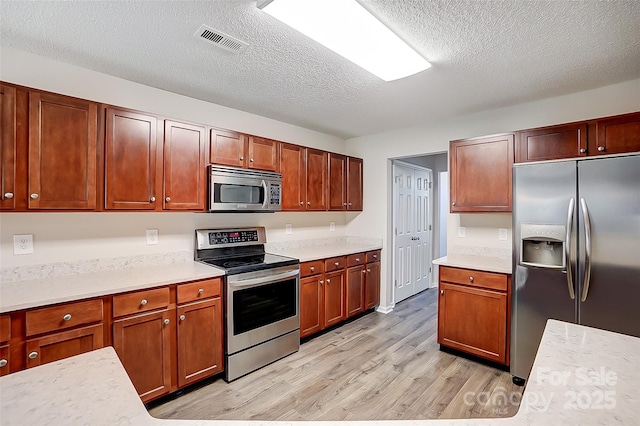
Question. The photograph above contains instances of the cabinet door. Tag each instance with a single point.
(143, 344)
(473, 320)
(481, 174)
(337, 182)
(7, 146)
(354, 184)
(355, 290)
(54, 347)
(263, 154)
(552, 143)
(5, 361)
(372, 286)
(334, 298)
(227, 148)
(617, 135)
(131, 149)
(294, 177)
(200, 346)
(311, 305)
(63, 137)
(184, 166)
(316, 187)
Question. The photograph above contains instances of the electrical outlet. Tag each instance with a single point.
(23, 244)
(152, 237)
(332, 226)
(288, 229)
(462, 231)
(502, 234)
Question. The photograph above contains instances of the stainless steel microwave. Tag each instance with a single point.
(232, 189)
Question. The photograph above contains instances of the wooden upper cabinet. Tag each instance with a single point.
(551, 143)
(7, 146)
(616, 135)
(294, 177)
(337, 182)
(130, 160)
(263, 154)
(228, 148)
(480, 171)
(316, 184)
(63, 140)
(184, 181)
(354, 184)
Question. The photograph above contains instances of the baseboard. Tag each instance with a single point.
(385, 309)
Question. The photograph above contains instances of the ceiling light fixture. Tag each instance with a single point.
(351, 31)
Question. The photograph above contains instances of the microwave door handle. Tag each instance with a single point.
(265, 203)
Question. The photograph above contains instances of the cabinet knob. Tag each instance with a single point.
(152, 199)
(344, 204)
(308, 203)
(241, 158)
(200, 290)
(313, 268)
(34, 196)
(357, 259)
(302, 203)
(166, 322)
(321, 282)
(453, 204)
(182, 318)
(33, 355)
(368, 270)
(328, 280)
(582, 150)
(67, 317)
(8, 195)
(251, 159)
(3, 362)
(442, 292)
(350, 204)
(375, 256)
(167, 199)
(470, 279)
(337, 263)
(143, 302)
(364, 271)
(601, 148)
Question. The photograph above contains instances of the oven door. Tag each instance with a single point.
(261, 305)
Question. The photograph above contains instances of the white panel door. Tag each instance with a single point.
(422, 230)
(404, 208)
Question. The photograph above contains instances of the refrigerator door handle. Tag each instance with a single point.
(587, 251)
(567, 248)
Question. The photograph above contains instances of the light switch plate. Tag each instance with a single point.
(152, 237)
(288, 229)
(502, 234)
(462, 231)
(23, 244)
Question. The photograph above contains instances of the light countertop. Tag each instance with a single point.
(581, 375)
(306, 254)
(33, 293)
(481, 263)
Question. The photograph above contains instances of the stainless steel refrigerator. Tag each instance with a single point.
(576, 257)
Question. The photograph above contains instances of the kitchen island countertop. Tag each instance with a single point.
(581, 375)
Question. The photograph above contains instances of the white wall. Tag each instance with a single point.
(481, 230)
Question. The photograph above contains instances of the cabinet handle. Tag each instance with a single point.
(34, 196)
(357, 259)
(453, 204)
(337, 263)
(308, 203)
(3, 362)
(152, 199)
(350, 204)
(251, 159)
(344, 204)
(364, 271)
(328, 281)
(182, 318)
(302, 203)
(601, 148)
(321, 282)
(143, 302)
(582, 150)
(241, 158)
(166, 322)
(313, 268)
(8, 195)
(33, 355)
(375, 256)
(200, 290)
(442, 292)
(67, 317)
(167, 199)
(470, 279)
(368, 270)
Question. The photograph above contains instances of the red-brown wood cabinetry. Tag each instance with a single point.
(7, 147)
(616, 135)
(551, 143)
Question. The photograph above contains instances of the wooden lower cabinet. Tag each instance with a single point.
(311, 306)
(334, 298)
(57, 346)
(200, 344)
(5, 360)
(473, 313)
(143, 343)
(372, 285)
(355, 290)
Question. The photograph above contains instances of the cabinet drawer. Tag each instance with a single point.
(334, 263)
(373, 256)
(140, 301)
(5, 328)
(199, 290)
(311, 268)
(474, 278)
(63, 316)
(356, 259)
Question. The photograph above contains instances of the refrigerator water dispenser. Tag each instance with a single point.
(542, 246)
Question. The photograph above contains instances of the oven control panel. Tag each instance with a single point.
(233, 237)
(220, 238)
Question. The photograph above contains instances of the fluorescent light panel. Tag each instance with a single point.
(348, 29)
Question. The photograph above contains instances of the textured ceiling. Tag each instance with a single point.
(485, 54)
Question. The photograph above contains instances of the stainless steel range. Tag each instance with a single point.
(261, 295)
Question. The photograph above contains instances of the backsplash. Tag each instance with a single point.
(481, 251)
(282, 246)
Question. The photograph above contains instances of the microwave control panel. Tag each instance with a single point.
(274, 194)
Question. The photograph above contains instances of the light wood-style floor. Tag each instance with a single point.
(378, 367)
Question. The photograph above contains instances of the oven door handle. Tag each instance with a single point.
(254, 282)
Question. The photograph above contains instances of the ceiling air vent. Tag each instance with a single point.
(219, 39)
